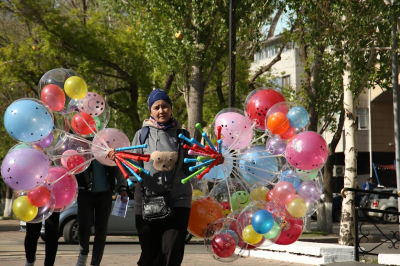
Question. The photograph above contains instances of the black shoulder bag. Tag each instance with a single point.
(155, 207)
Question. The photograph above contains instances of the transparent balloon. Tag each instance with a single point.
(70, 146)
(222, 240)
(28, 120)
(236, 130)
(257, 165)
(258, 103)
(307, 151)
(222, 171)
(49, 88)
(64, 187)
(108, 138)
(24, 167)
(204, 212)
(47, 209)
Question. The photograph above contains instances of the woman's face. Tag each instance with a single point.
(161, 111)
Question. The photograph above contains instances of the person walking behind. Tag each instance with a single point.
(96, 187)
(51, 235)
(162, 242)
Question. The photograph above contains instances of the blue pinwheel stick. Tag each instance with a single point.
(204, 134)
(191, 169)
(133, 173)
(220, 146)
(132, 147)
(139, 167)
(187, 160)
(191, 141)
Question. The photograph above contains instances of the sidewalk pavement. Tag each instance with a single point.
(9, 233)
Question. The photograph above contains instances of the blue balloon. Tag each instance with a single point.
(262, 221)
(28, 120)
(292, 178)
(298, 117)
(258, 165)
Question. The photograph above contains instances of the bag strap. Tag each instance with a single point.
(144, 132)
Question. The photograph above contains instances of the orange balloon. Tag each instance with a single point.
(278, 123)
(204, 212)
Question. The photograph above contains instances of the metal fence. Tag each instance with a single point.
(362, 235)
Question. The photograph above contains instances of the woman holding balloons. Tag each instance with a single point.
(162, 242)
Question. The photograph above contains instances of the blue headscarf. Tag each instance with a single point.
(158, 94)
(155, 95)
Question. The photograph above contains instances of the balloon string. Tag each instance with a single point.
(257, 168)
(72, 170)
(236, 141)
(256, 157)
(93, 131)
(248, 183)
(55, 157)
(248, 173)
(72, 136)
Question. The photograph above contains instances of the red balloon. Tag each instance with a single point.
(53, 96)
(291, 231)
(83, 124)
(75, 160)
(289, 133)
(260, 103)
(270, 195)
(39, 196)
(223, 245)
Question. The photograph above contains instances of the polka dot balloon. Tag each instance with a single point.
(93, 104)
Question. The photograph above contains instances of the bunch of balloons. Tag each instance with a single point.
(260, 193)
(58, 136)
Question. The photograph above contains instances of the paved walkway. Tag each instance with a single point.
(12, 254)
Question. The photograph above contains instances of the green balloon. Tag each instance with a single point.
(239, 200)
(273, 232)
(98, 123)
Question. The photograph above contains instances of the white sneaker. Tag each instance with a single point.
(29, 263)
(81, 260)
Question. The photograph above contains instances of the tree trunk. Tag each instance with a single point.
(346, 232)
(195, 106)
(8, 206)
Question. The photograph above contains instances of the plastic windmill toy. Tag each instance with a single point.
(208, 156)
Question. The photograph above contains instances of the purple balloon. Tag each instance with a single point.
(24, 169)
(276, 146)
(310, 191)
(44, 143)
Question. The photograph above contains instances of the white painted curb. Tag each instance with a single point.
(306, 253)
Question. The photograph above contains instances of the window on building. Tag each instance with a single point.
(286, 81)
(362, 119)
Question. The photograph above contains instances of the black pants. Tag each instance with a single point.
(51, 235)
(163, 243)
(94, 209)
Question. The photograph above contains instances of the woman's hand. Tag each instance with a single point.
(111, 154)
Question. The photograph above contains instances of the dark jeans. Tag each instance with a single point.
(94, 209)
(163, 243)
(51, 235)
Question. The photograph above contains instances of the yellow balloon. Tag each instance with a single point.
(196, 194)
(297, 208)
(259, 193)
(24, 210)
(250, 235)
(75, 87)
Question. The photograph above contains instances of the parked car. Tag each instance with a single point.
(116, 225)
(385, 203)
(337, 207)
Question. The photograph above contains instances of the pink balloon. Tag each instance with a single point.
(284, 193)
(234, 125)
(65, 189)
(307, 151)
(92, 104)
(114, 139)
(64, 160)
